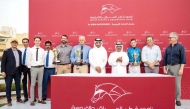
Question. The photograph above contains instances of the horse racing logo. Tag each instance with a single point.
(110, 89)
(109, 7)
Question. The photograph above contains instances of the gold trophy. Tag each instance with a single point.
(78, 61)
(55, 52)
(135, 55)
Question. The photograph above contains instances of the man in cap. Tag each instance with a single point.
(174, 61)
(11, 68)
(118, 60)
(98, 57)
(134, 54)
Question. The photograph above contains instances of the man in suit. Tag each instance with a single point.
(11, 68)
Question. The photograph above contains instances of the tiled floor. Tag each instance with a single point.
(185, 105)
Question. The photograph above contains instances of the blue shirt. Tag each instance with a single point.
(133, 50)
(85, 53)
(174, 55)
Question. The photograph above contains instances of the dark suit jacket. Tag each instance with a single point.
(8, 62)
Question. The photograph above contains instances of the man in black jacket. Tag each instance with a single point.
(11, 68)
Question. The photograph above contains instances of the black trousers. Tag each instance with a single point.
(8, 81)
(26, 72)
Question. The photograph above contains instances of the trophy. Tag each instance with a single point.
(135, 55)
(78, 61)
(55, 52)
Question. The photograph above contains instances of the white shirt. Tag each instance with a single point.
(51, 59)
(151, 54)
(97, 57)
(32, 57)
(118, 67)
(27, 52)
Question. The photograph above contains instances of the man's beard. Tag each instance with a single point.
(64, 42)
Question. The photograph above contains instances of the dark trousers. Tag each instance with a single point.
(46, 79)
(26, 72)
(8, 81)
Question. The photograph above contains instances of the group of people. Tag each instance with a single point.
(39, 64)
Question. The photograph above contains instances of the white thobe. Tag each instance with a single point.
(118, 67)
(97, 57)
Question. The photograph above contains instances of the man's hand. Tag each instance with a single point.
(165, 70)
(119, 59)
(3, 74)
(98, 69)
(68, 66)
(180, 72)
(83, 61)
(55, 73)
(151, 65)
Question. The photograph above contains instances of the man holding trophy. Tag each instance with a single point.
(80, 56)
(151, 56)
(62, 56)
(49, 68)
(134, 57)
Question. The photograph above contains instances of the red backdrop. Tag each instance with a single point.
(113, 20)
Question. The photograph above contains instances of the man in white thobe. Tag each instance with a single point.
(98, 58)
(118, 60)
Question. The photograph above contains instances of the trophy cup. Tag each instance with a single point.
(135, 55)
(78, 53)
(55, 52)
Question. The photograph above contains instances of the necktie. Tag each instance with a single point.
(81, 56)
(47, 59)
(37, 54)
(24, 57)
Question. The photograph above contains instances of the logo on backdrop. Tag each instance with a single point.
(110, 20)
(129, 33)
(57, 34)
(93, 33)
(157, 41)
(74, 33)
(139, 41)
(147, 33)
(109, 7)
(110, 33)
(184, 33)
(112, 90)
(165, 33)
(40, 34)
(120, 40)
(110, 49)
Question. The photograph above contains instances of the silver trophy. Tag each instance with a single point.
(78, 53)
(135, 55)
(55, 52)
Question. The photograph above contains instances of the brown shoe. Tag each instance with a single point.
(43, 102)
(32, 103)
(20, 101)
(9, 103)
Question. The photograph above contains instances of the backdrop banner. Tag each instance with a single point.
(113, 20)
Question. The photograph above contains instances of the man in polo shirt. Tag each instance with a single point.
(64, 50)
(151, 56)
(82, 50)
(174, 61)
